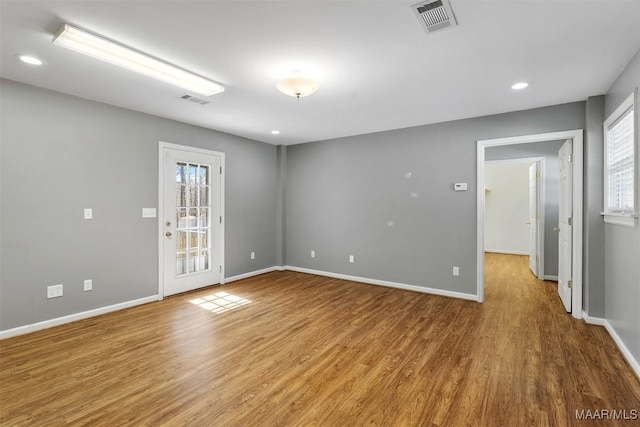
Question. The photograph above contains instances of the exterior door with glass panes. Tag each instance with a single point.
(191, 220)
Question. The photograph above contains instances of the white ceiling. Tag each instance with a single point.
(377, 68)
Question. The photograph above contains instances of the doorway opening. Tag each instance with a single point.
(515, 207)
(575, 259)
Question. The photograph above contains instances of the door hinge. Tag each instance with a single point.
(570, 221)
(537, 174)
(220, 269)
(570, 284)
(220, 170)
(570, 158)
(220, 220)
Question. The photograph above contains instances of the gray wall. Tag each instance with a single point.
(622, 244)
(593, 244)
(61, 154)
(548, 150)
(342, 193)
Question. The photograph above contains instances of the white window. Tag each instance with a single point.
(621, 164)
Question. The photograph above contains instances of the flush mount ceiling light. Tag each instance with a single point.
(275, 132)
(297, 86)
(31, 60)
(519, 86)
(114, 53)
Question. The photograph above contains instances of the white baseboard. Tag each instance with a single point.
(623, 348)
(593, 320)
(103, 310)
(550, 277)
(386, 283)
(21, 330)
(507, 252)
(616, 339)
(251, 274)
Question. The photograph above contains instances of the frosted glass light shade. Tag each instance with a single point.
(106, 50)
(297, 86)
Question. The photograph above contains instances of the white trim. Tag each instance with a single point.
(21, 330)
(251, 274)
(620, 219)
(500, 251)
(168, 145)
(577, 137)
(377, 282)
(623, 348)
(550, 277)
(594, 320)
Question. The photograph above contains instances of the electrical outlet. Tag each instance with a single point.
(88, 285)
(456, 271)
(54, 291)
(88, 213)
(351, 259)
(253, 255)
(313, 254)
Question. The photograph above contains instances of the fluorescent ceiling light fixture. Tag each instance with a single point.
(114, 53)
(275, 132)
(31, 60)
(297, 86)
(519, 86)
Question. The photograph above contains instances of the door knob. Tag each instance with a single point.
(528, 222)
(168, 223)
(556, 229)
(168, 234)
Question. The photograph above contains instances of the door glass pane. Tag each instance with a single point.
(203, 218)
(181, 195)
(193, 173)
(181, 218)
(181, 241)
(204, 196)
(204, 239)
(192, 218)
(181, 173)
(181, 263)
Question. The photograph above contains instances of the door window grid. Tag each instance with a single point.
(193, 229)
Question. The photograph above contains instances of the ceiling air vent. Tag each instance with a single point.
(434, 15)
(194, 99)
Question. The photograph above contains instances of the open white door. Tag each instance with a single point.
(565, 227)
(191, 219)
(534, 175)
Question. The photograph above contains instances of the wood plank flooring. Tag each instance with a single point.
(316, 351)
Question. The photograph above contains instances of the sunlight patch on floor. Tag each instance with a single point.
(220, 302)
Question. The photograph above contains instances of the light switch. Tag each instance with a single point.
(460, 186)
(88, 213)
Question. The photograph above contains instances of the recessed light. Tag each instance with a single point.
(31, 60)
(275, 132)
(519, 86)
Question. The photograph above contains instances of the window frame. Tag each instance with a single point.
(613, 217)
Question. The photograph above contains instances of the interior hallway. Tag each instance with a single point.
(293, 349)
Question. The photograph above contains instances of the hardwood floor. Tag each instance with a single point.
(307, 350)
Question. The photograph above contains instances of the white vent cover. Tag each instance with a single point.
(434, 15)
(194, 99)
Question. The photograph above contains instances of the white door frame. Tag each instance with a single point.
(161, 171)
(576, 136)
(541, 203)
